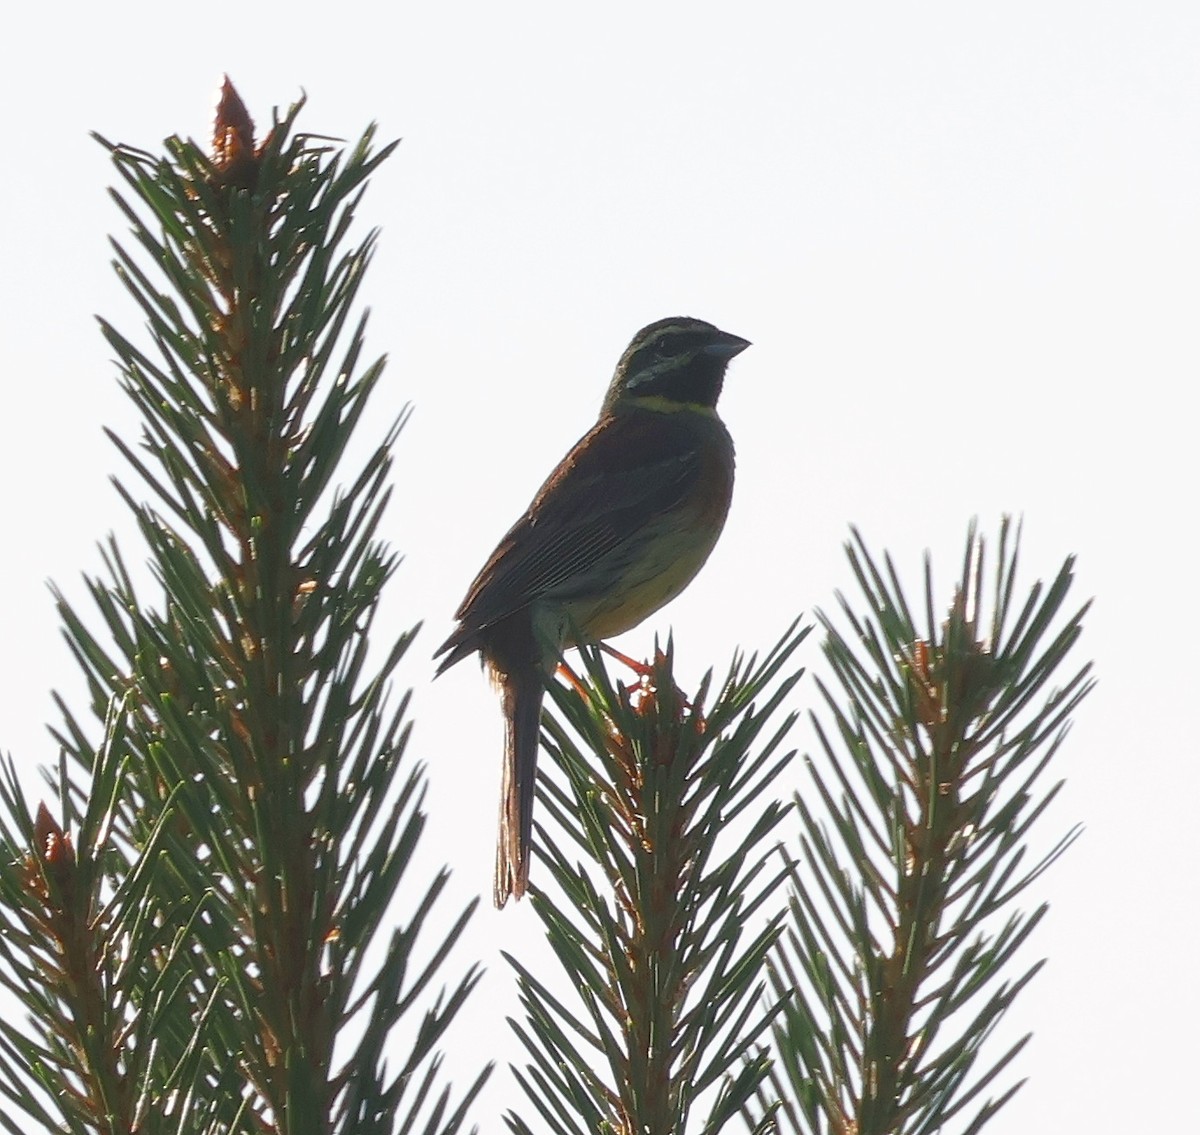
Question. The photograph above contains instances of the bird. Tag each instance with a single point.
(619, 528)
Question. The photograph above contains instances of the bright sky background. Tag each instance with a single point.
(964, 241)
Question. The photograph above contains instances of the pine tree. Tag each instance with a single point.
(190, 934)
(903, 937)
(876, 947)
(652, 926)
(189, 919)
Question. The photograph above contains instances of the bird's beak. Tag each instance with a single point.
(727, 346)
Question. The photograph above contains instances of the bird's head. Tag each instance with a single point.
(672, 364)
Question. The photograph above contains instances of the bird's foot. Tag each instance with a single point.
(642, 692)
(643, 670)
(638, 691)
(643, 689)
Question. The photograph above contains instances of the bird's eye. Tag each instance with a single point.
(667, 346)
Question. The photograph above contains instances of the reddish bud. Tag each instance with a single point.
(233, 140)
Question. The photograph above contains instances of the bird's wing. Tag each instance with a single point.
(603, 499)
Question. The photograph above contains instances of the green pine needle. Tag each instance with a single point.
(193, 936)
(902, 953)
(658, 847)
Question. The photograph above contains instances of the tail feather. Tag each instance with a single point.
(522, 689)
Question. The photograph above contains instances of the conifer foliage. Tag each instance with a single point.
(901, 952)
(190, 923)
(665, 900)
(218, 922)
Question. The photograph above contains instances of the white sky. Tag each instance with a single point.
(963, 239)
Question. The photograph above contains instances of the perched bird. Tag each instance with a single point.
(620, 527)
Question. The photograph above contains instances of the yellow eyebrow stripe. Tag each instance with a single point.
(661, 405)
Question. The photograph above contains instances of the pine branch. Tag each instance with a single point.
(653, 928)
(913, 848)
(266, 812)
(97, 953)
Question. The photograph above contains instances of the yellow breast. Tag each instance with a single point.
(669, 565)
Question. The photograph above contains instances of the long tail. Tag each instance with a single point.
(522, 689)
